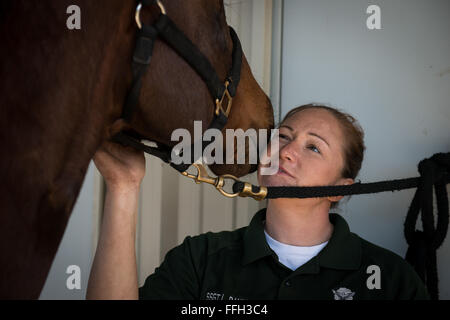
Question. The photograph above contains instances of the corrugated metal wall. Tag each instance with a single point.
(172, 206)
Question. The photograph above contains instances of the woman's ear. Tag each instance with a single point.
(341, 182)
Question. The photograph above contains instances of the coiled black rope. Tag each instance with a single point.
(423, 244)
(421, 253)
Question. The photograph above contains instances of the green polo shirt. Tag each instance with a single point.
(240, 265)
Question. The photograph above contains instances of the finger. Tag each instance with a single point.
(122, 152)
(113, 150)
(105, 159)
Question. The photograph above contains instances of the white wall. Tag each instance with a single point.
(395, 81)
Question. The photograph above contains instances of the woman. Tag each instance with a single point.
(293, 249)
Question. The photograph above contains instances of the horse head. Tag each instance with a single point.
(174, 95)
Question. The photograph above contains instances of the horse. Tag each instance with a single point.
(62, 94)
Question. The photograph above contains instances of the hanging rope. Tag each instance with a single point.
(421, 254)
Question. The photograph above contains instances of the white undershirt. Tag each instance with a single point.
(293, 256)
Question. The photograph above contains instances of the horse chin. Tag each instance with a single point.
(237, 170)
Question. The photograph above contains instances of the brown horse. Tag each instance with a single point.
(62, 93)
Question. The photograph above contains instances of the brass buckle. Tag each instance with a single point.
(219, 103)
(219, 182)
(247, 192)
(138, 12)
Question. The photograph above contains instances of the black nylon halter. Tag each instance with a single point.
(165, 29)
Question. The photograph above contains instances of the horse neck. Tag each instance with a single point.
(70, 76)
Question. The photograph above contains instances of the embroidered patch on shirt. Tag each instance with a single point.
(343, 294)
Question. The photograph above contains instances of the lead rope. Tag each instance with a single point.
(421, 253)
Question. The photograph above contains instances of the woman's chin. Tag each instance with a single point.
(276, 181)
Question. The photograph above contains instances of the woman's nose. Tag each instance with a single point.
(288, 152)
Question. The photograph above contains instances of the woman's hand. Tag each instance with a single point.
(121, 167)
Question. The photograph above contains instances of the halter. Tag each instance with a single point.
(222, 92)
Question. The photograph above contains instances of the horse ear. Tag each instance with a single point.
(116, 127)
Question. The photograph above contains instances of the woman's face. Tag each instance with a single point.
(310, 151)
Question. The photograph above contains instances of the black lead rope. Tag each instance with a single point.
(421, 254)
(332, 191)
(441, 174)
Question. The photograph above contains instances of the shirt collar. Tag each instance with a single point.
(343, 250)
(255, 244)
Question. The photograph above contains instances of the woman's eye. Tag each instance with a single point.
(313, 148)
(283, 136)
